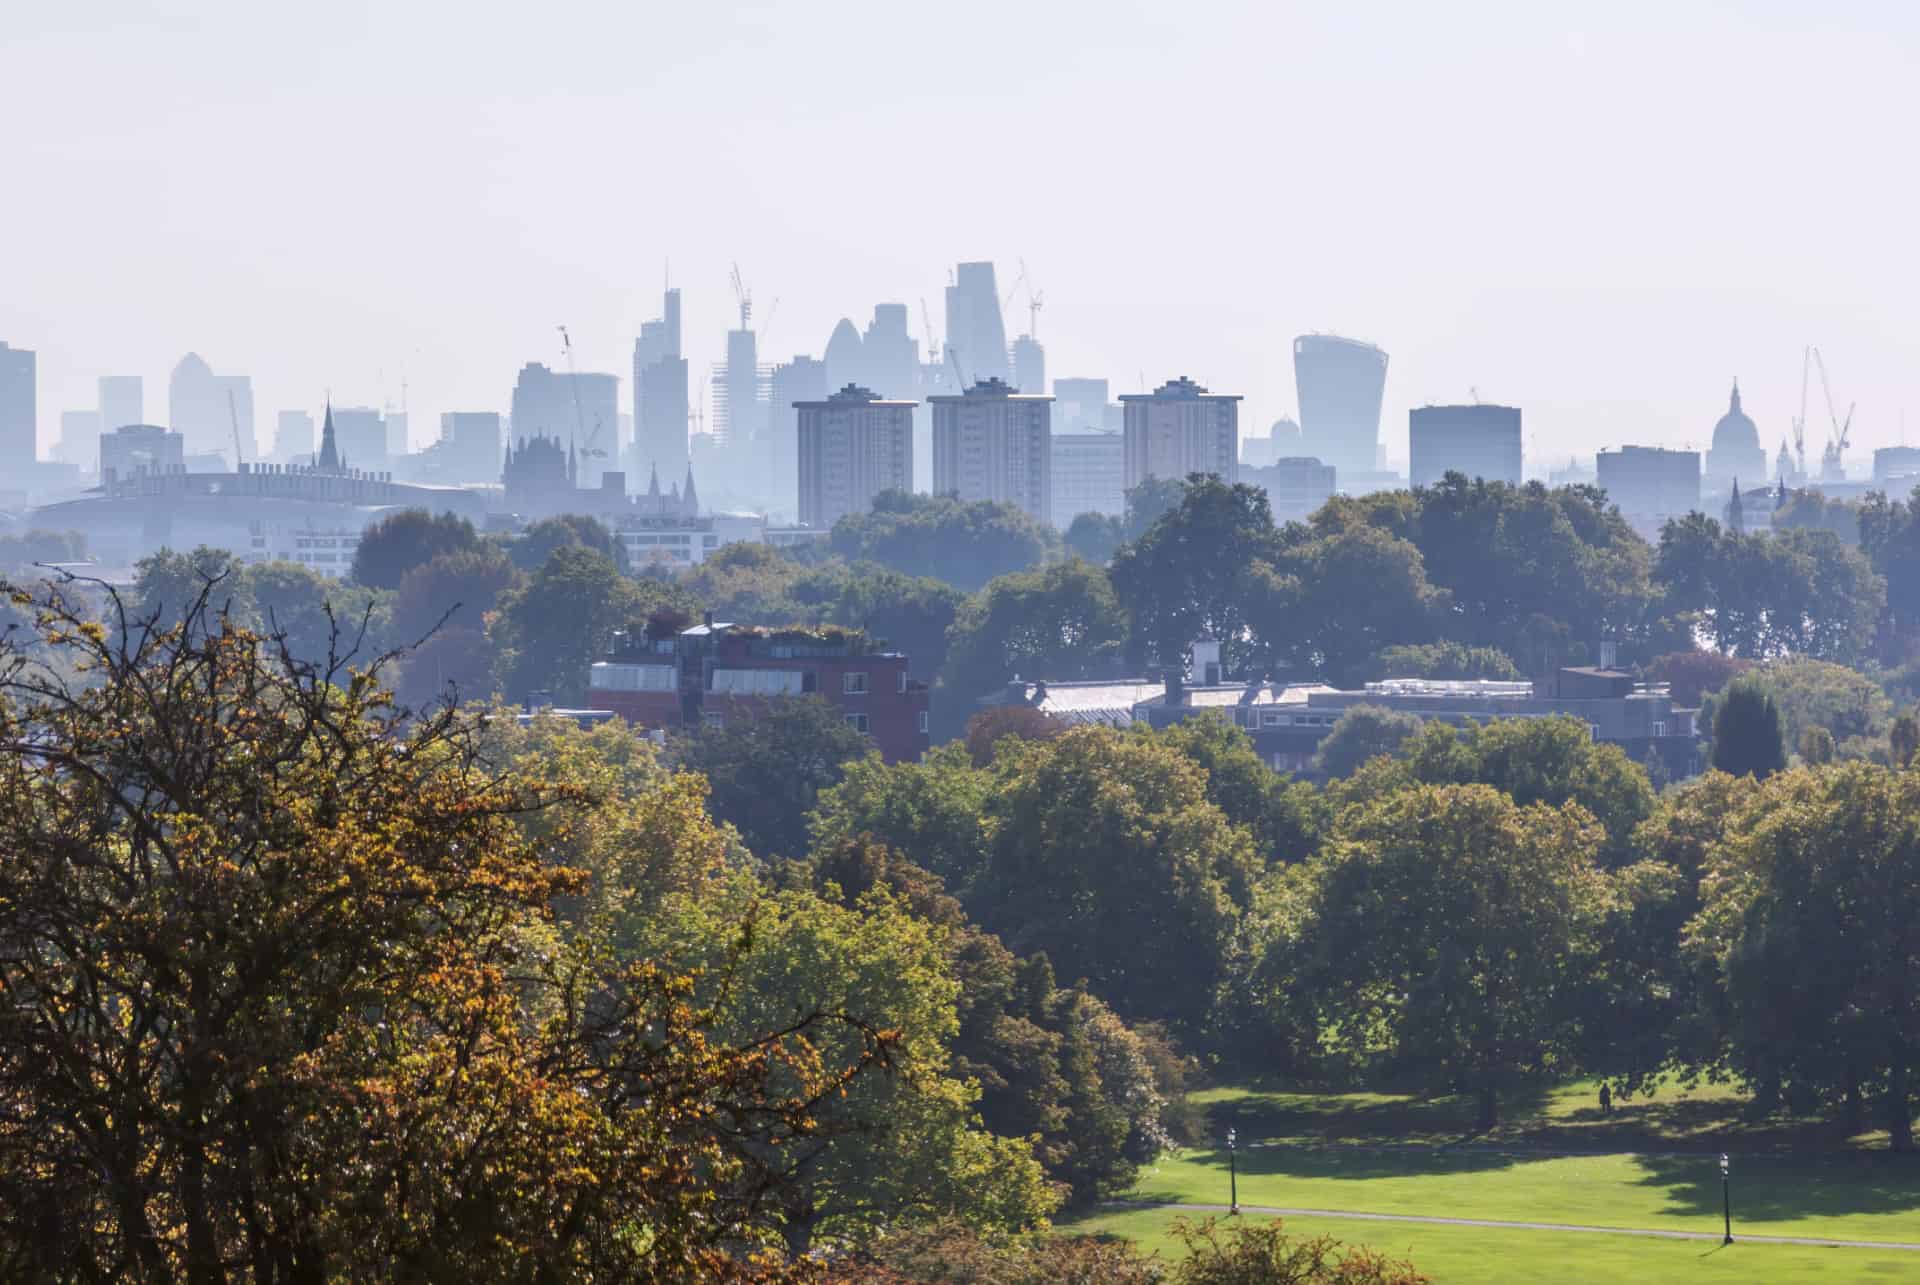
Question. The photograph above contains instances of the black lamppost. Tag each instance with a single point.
(1726, 1199)
(1233, 1173)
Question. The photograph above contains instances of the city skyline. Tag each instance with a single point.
(1607, 260)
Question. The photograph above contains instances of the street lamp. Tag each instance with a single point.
(1726, 1199)
(1233, 1172)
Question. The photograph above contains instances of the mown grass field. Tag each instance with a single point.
(1652, 1164)
(1470, 1255)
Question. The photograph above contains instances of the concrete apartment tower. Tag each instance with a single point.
(1181, 428)
(1340, 383)
(659, 396)
(851, 446)
(1479, 441)
(976, 333)
(992, 443)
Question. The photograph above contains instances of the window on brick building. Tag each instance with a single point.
(858, 722)
(854, 684)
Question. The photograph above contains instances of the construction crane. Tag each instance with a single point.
(1832, 459)
(590, 447)
(1035, 298)
(766, 322)
(233, 415)
(1800, 423)
(744, 297)
(1014, 289)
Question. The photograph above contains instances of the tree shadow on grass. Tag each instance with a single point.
(1310, 1161)
(1271, 1112)
(1786, 1188)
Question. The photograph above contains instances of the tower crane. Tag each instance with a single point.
(1800, 423)
(590, 447)
(1014, 289)
(1035, 298)
(1832, 459)
(744, 297)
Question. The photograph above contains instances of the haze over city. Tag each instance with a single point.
(1602, 215)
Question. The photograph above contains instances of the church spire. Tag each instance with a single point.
(1734, 404)
(1736, 516)
(688, 499)
(329, 459)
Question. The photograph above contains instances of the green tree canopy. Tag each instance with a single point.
(767, 771)
(1361, 733)
(1748, 736)
(551, 629)
(1448, 930)
(1105, 854)
(1060, 623)
(964, 543)
(1812, 915)
(399, 542)
(1187, 577)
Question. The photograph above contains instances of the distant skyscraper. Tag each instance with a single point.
(1089, 475)
(849, 448)
(470, 445)
(992, 443)
(360, 436)
(845, 357)
(122, 402)
(581, 411)
(976, 334)
(398, 443)
(659, 397)
(79, 442)
(1649, 484)
(802, 381)
(293, 437)
(1029, 365)
(1296, 487)
(204, 408)
(1181, 428)
(132, 449)
(740, 392)
(1083, 406)
(1479, 441)
(1340, 383)
(891, 352)
(19, 414)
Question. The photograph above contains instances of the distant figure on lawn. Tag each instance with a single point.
(1606, 1099)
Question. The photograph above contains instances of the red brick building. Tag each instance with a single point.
(716, 674)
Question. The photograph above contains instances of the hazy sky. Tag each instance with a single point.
(1600, 212)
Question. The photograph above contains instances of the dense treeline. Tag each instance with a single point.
(307, 980)
(1465, 579)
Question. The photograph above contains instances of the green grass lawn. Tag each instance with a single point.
(1652, 1163)
(1463, 1255)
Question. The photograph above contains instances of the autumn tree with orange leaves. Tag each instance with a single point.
(284, 998)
